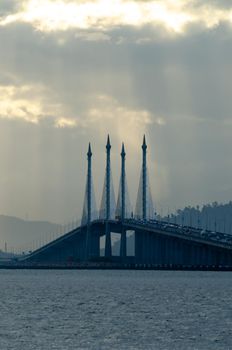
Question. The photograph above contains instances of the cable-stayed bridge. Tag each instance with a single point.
(157, 244)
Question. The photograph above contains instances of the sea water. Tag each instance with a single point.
(94, 309)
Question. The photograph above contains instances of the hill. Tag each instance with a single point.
(16, 233)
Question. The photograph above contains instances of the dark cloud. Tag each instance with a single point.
(8, 7)
(190, 4)
(220, 4)
(190, 72)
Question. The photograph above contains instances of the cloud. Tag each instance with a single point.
(57, 15)
(26, 103)
(183, 78)
(92, 36)
(8, 7)
(66, 123)
(15, 104)
(186, 78)
(61, 89)
(29, 103)
(106, 113)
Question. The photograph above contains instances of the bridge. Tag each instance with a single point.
(157, 244)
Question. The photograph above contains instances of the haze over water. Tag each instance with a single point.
(74, 309)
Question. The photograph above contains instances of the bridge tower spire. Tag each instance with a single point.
(108, 249)
(144, 205)
(89, 207)
(123, 183)
(108, 184)
(123, 202)
(144, 181)
(89, 203)
(89, 184)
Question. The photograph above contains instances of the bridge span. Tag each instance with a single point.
(157, 244)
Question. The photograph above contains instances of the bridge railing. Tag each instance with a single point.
(208, 235)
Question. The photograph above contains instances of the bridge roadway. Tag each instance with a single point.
(157, 243)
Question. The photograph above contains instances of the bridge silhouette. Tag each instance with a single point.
(157, 244)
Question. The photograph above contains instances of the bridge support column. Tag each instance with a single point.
(88, 243)
(95, 245)
(138, 247)
(156, 249)
(123, 244)
(108, 247)
(171, 248)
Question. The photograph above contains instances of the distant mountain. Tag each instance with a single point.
(18, 234)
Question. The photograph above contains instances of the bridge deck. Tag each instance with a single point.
(73, 243)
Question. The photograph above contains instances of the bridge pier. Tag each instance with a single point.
(95, 245)
(171, 246)
(168, 251)
(138, 246)
(123, 244)
(144, 247)
(108, 247)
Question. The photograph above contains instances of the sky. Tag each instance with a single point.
(72, 72)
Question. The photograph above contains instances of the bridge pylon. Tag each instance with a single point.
(107, 210)
(89, 208)
(144, 204)
(144, 170)
(108, 247)
(122, 202)
(123, 208)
